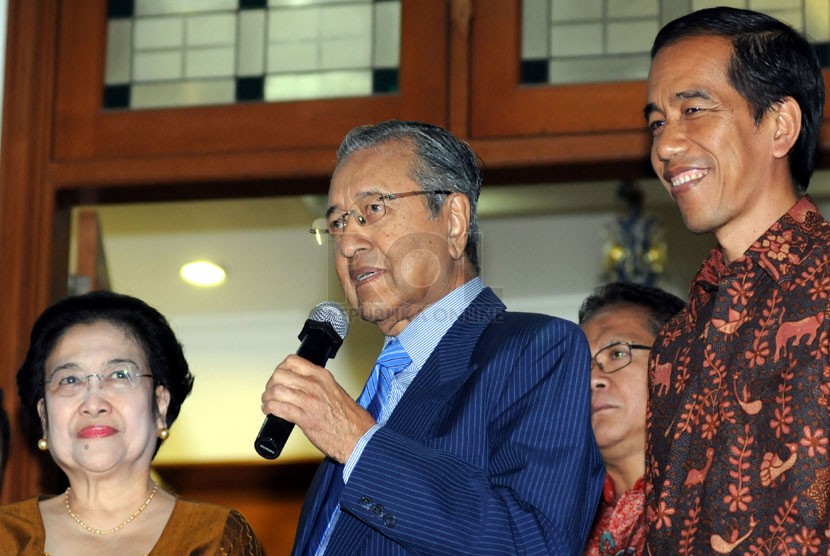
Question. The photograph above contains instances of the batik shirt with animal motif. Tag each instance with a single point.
(738, 451)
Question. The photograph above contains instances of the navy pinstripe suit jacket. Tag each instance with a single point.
(490, 450)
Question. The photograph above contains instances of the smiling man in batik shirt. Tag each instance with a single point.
(738, 422)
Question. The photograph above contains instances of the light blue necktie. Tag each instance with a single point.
(392, 360)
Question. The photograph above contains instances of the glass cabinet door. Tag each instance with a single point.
(548, 67)
(165, 77)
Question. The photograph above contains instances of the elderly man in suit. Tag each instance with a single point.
(473, 434)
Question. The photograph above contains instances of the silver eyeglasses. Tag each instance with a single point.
(611, 359)
(114, 379)
(368, 211)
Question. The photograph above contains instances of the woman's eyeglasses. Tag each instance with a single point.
(113, 379)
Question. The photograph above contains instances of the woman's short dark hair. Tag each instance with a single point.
(143, 323)
(770, 61)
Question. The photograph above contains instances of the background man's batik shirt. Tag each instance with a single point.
(620, 525)
(738, 451)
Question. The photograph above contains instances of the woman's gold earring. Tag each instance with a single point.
(42, 444)
(164, 434)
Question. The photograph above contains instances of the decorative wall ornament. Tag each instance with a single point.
(635, 248)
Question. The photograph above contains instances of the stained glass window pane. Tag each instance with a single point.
(168, 53)
(590, 41)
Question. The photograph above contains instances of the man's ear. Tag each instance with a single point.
(458, 223)
(162, 402)
(787, 127)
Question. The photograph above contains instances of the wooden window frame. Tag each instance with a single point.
(232, 139)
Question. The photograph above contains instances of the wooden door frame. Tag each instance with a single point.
(29, 220)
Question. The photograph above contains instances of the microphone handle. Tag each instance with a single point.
(319, 342)
(273, 429)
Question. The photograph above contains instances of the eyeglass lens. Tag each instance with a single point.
(613, 358)
(368, 211)
(114, 378)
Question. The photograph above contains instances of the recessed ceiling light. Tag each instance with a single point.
(204, 274)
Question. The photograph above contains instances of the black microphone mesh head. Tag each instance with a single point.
(332, 313)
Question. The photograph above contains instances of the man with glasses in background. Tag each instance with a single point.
(473, 433)
(621, 321)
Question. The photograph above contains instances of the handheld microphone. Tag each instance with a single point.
(321, 337)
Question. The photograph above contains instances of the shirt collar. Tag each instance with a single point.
(778, 251)
(420, 336)
(609, 495)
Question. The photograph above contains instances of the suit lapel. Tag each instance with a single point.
(447, 368)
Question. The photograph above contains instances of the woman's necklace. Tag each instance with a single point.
(117, 527)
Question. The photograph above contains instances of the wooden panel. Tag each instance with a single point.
(235, 172)
(91, 258)
(270, 496)
(461, 15)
